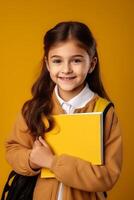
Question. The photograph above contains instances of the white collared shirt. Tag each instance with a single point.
(78, 101)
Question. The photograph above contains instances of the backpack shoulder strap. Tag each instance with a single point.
(102, 105)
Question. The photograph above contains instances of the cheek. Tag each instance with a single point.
(82, 72)
(53, 77)
(53, 71)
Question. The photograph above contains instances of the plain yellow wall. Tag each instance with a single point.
(23, 24)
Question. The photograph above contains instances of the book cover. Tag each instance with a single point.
(78, 134)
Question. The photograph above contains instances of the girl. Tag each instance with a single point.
(69, 82)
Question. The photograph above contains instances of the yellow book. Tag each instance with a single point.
(79, 134)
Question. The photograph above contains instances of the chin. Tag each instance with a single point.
(67, 89)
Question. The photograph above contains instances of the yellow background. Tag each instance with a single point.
(23, 24)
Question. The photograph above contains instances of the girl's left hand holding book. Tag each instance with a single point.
(41, 154)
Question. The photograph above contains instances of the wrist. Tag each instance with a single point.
(33, 166)
(51, 161)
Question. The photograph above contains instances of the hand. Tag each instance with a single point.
(41, 154)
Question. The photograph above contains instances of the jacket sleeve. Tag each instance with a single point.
(80, 174)
(18, 148)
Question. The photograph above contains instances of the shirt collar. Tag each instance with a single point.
(79, 100)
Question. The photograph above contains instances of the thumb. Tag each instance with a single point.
(43, 142)
(37, 143)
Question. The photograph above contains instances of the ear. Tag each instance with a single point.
(92, 65)
(46, 61)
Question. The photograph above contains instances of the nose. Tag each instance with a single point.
(66, 68)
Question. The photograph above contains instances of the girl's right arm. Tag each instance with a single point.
(19, 147)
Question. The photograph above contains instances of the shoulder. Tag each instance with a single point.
(108, 109)
(20, 125)
(112, 127)
(110, 117)
(102, 104)
(20, 133)
(20, 121)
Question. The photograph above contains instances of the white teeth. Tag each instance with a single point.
(67, 78)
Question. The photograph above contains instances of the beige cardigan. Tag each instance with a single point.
(82, 180)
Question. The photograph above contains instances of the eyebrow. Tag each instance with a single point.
(77, 55)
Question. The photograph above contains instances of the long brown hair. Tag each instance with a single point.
(40, 104)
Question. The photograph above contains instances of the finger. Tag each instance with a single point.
(37, 143)
(43, 142)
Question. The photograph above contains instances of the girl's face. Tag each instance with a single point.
(69, 65)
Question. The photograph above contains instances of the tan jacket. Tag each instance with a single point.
(82, 180)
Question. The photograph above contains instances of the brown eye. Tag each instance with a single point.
(56, 61)
(77, 61)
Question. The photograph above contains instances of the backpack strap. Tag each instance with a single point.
(7, 185)
(103, 105)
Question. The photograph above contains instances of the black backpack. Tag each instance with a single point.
(21, 187)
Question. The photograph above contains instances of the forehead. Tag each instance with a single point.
(68, 48)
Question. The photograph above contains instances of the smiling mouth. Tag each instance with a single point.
(67, 78)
